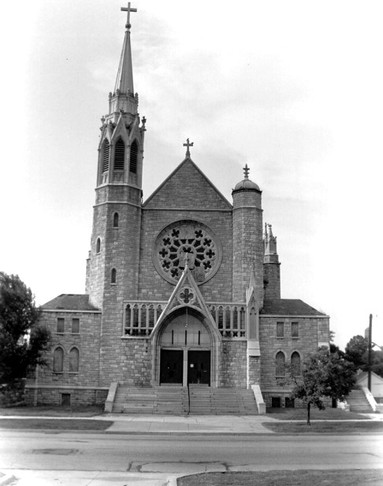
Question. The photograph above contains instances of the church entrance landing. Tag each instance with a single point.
(185, 351)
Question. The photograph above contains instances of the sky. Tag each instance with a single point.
(291, 88)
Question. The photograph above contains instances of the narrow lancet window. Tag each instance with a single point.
(295, 364)
(119, 155)
(116, 218)
(280, 364)
(133, 157)
(113, 276)
(58, 360)
(74, 356)
(105, 156)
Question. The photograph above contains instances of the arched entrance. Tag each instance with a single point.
(185, 350)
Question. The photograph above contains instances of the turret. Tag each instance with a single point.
(247, 239)
(271, 265)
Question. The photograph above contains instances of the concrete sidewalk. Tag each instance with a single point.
(170, 424)
(192, 424)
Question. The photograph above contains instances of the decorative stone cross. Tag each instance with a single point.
(246, 171)
(129, 9)
(188, 145)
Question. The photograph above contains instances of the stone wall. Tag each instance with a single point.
(64, 396)
(87, 341)
(254, 370)
(311, 329)
(233, 369)
(153, 286)
(137, 365)
(272, 281)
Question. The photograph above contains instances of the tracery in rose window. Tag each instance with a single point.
(188, 243)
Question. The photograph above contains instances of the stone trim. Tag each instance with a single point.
(188, 209)
(291, 317)
(249, 206)
(277, 390)
(68, 311)
(65, 387)
(122, 184)
(117, 202)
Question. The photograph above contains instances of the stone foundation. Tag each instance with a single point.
(65, 396)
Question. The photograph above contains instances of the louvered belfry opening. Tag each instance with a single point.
(119, 155)
(133, 157)
(105, 156)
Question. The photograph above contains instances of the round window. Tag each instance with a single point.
(187, 242)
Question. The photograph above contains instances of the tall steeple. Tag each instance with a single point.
(123, 96)
(122, 134)
(117, 212)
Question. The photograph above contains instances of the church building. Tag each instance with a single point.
(182, 287)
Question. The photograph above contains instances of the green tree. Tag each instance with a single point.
(324, 375)
(357, 352)
(22, 340)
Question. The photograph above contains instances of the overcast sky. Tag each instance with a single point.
(292, 88)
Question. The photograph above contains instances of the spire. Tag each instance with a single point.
(124, 80)
(123, 96)
(270, 242)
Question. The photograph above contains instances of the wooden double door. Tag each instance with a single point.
(185, 367)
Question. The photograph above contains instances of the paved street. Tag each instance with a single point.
(92, 459)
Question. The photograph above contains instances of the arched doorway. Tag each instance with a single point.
(185, 350)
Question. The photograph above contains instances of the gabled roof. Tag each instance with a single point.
(74, 302)
(289, 307)
(363, 375)
(187, 187)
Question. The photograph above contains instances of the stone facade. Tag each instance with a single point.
(182, 288)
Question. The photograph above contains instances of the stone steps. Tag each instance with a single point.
(358, 402)
(204, 400)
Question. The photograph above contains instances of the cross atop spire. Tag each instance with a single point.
(188, 145)
(128, 9)
(246, 171)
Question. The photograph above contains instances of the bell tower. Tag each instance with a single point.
(114, 253)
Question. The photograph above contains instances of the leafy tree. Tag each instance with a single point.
(357, 352)
(324, 374)
(22, 340)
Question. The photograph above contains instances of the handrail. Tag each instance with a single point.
(188, 389)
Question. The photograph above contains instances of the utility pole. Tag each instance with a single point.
(369, 352)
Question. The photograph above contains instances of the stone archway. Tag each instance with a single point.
(185, 350)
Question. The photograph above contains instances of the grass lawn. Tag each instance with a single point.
(53, 424)
(53, 411)
(364, 427)
(301, 414)
(286, 478)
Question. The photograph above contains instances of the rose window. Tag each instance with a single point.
(186, 243)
